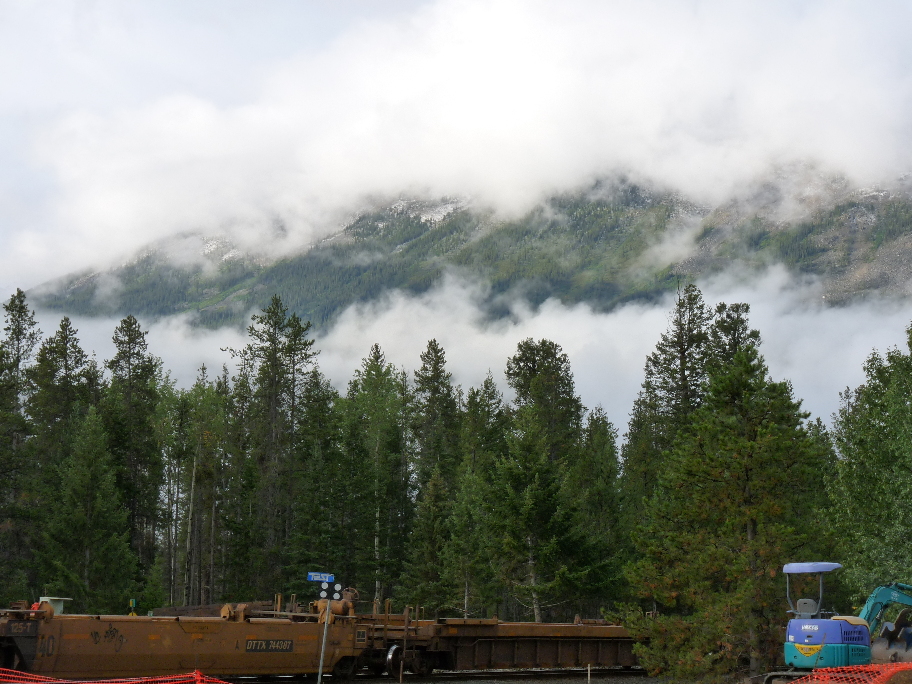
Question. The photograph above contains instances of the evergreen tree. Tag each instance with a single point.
(672, 390)
(696, 342)
(873, 476)
(534, 531)
(469, 557)
(129, 411)
(740, 496)
(86, 551)
(21, 336)
(590, 494)
(377, 438)
(333, 487)
(539, 374)
(729, 333)
(424, 581)
(530, 529)
(244, 564)
(437, 418)
(275, 365)
(17, 469)
(486, 422)
(65, 383)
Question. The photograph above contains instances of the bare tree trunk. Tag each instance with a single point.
(212, 552)
(533, 583)
(188, 564)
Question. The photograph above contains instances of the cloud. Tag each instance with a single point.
(819, 349)
(182, 348)
(502, 101)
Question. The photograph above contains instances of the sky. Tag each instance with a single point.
(123, 123)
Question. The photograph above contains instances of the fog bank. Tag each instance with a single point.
(820, 349)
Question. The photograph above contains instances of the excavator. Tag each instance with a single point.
(816, 638)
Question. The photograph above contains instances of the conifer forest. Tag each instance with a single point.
(116, 484)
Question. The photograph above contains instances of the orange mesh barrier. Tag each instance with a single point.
(856, 674)
(197, 677)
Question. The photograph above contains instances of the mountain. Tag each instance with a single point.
(612, 243)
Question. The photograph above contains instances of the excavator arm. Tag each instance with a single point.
(881, 599)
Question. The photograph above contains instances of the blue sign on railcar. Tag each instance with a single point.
(320, 577)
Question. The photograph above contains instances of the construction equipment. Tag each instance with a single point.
(816, 638)
(893, 643)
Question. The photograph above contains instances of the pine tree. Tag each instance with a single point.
(437, 418)
(696, 342)
(424, 581)
(86, 551)
(65, 383)
(486, 423)
(17, 468)
(873, 476)
(377, 436)
(534, 531)
(274, 364)
(529, 527)
(331, 488)
(672, 390)
(129, 411)
(539, 374)
(21, 336)
(469, 555)
(590, 493)
(739, 497)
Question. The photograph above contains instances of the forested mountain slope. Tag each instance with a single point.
(612, 243)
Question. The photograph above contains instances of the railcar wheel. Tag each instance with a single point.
(421, 664)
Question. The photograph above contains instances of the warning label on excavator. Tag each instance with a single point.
(270, 645)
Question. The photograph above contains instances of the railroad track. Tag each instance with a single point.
(450, 676)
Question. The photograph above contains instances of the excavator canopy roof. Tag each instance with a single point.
(794, 568)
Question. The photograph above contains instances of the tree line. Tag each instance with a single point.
(117, 484)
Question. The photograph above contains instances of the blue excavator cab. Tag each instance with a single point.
(815, 638)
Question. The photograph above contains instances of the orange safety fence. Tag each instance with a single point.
(856, 674)
(17, 677)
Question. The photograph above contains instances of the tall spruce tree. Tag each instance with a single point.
(65, 383)
(377, 420)
(469, 555)
(424, 581)
(672, 389)
(86, 552)
(740, 495)
(533, 529)
(437, 418)
(530, 528)
(539, 373)
(15, 471)
(17, 468)
(697, 342)
(332, 486)
(128, 411)
(21, 336)
(268, 428)
(590, 494)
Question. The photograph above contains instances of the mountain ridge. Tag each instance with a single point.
(611, 243)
